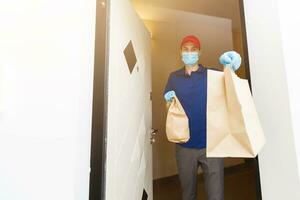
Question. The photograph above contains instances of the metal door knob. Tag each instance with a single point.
(152, 140)
(154, 131)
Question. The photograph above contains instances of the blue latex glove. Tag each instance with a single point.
(231, 58)
(169, 95)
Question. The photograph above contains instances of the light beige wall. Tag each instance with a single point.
(238, 47)
(167, 31)
(224, 8)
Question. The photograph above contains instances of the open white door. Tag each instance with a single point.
(129, 151)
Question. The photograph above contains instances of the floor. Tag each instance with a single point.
(239, 184)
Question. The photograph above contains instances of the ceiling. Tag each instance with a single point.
(219, 8)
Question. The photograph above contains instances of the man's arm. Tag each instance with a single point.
(168, 88)
(169, 98)
(230, 59)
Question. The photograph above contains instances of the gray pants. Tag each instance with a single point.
(188, 160)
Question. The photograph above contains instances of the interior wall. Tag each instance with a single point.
(46, 81)
(225, 9)
(291, 41)
(273, 55)
(228, 9)
(168, 27)
(238, 47)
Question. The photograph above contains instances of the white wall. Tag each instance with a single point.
(290, 32)
(273, 44)
(46, 64)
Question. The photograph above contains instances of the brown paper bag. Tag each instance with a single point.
(177, 123)
(233, 127)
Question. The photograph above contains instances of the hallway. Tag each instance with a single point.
(241, 175)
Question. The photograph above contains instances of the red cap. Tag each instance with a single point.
(191, 38)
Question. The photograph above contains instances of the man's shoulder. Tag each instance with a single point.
(177, 71)
(181, 70)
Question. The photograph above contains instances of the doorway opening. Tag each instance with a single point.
(220, 25)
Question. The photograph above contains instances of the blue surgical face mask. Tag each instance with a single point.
(190, 58)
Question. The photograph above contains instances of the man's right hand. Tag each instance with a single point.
(169, 95)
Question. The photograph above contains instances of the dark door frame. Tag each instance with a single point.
(248, 76)
(99, 112)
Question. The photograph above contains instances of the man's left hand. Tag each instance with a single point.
(232, 59)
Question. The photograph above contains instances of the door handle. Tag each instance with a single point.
(154, 131)
(152, 140)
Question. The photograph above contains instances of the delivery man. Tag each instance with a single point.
(189, 84)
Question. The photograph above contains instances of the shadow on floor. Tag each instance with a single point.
(239, 184)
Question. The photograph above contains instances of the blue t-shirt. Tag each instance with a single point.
(191, 90)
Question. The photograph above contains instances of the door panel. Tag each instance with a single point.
(129, 152)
